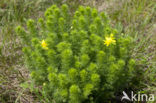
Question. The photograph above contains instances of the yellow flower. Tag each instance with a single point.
(109, 40)
(44, 44)
(44, 84)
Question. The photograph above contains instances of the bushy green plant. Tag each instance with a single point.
(77, 59)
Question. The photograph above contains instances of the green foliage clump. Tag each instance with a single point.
(77, 59)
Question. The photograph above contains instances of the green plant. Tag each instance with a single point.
(77, 59)
(136, 16)
(12, 13)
